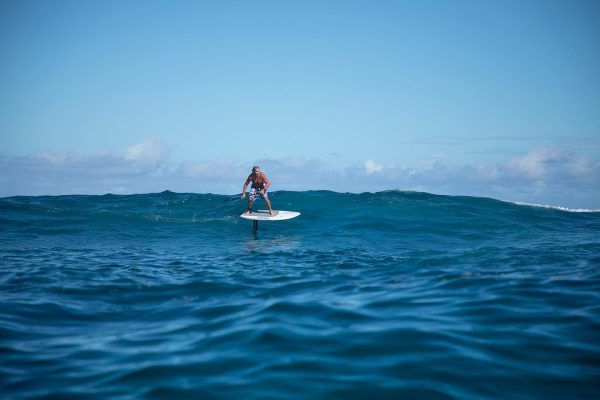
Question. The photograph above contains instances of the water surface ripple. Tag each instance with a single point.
(391, 295)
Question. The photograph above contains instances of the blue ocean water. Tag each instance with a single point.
(390, 295)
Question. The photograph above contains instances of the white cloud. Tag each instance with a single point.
(555, 176)
(47, 173)
(372, 167)
(537, 163)
(151, 152)
(553, 164)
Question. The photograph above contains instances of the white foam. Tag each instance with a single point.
(579, 210)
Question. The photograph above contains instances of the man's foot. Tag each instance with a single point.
(248, 212)
(271, 212)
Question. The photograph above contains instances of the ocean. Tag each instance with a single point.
(389, 295)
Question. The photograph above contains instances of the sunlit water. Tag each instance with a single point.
(389, 295)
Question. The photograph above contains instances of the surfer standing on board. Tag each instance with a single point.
(260, 184)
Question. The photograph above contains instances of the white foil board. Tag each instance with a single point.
(263, 215)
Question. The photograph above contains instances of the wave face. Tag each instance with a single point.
(397, 295)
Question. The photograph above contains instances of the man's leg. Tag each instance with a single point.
(269, 205)
(249, 210)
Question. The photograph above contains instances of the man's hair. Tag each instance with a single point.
(255, 167)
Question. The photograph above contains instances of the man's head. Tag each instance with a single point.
(255, 169)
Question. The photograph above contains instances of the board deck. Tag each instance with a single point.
(263, 215)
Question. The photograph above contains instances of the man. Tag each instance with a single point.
(260, 184)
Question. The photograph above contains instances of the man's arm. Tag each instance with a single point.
(267, 183)
(245, 186)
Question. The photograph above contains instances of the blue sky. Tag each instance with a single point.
(491, 98)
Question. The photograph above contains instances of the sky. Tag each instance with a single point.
(483, 98)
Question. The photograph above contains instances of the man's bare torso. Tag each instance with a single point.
(257, 179)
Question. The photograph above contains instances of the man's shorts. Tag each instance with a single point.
(254, 192)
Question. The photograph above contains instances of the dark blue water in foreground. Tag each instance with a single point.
(390, 295)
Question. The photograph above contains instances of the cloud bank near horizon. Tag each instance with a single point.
(549, 175)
